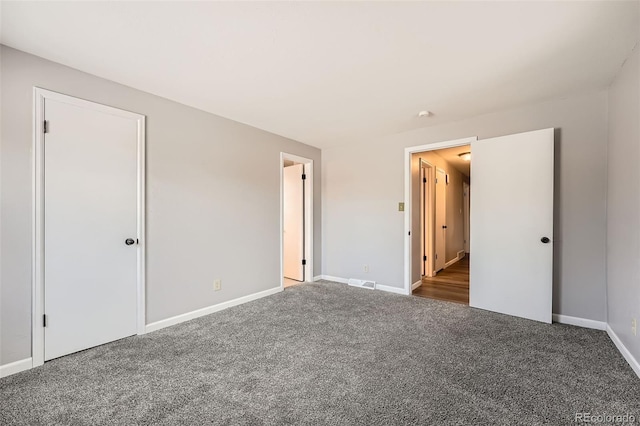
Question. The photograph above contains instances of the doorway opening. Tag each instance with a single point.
(511, 223)
(418, 219)
(443, 182)
(296, 186)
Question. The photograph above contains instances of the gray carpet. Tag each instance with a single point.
(326, 353)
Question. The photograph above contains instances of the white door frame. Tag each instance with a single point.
(408, 193)
(37, 220)
(437, 203)
(308, 215)
(466, 207)
(427, 226)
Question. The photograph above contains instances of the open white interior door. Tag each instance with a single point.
(511, 268)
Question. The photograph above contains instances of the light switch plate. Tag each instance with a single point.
(400, 207)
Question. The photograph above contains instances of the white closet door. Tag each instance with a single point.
(90, 210)
(511, 220)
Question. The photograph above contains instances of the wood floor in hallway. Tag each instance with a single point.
(451, 284)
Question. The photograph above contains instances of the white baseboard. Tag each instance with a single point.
(390, 289)
(331, 278)
(209, 310)
(15, 367)
(451, 262)
(624, 351)
(580, 322)
(456, 259)
(416, 285)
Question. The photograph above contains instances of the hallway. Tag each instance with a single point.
(451, 284)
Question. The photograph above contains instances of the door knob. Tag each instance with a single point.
(129, 241)
(545, 239)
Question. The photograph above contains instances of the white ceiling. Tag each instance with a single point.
(328, 73)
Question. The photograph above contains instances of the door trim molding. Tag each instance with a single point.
(37, 219)
(308, 213)
(427, 217)
(466, 215)
(435, 215)
(408, 151)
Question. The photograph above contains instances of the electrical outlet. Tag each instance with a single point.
(634, 326)
(366, 268)
(217, 285)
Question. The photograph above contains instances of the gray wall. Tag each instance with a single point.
(363, 184)
(213, 198)
(623, 203)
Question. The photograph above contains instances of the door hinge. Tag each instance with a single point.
(424, 180)
(409, 232)
(436, 255)
(304, 176)
(304, 261)
(45, 127)
(436, 180)
(44, 320)
(425, 258)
